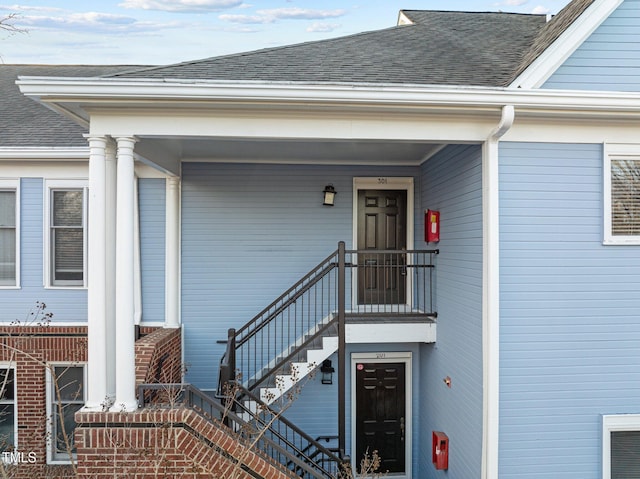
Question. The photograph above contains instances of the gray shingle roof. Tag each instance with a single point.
(26, 123)
(441, 48)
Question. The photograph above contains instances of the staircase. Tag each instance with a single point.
(299, 370)
(291, 337)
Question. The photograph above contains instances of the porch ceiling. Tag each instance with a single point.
(369, 152)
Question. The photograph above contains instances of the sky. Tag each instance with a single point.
(153, 32)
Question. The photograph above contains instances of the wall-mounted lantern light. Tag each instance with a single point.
(329, 195)
(327, 372)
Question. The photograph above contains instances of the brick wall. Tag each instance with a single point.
(164, 443)
(159, 356)
(29, 349)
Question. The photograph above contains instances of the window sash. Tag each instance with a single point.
(7, 409)
(67, 237)
(8, 243)
(66, 393)
(625, 197)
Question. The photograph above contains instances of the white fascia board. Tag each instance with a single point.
(69, 91)
(565, 45)
(44, 153)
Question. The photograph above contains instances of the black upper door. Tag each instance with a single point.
(380, 414)
(382, 225)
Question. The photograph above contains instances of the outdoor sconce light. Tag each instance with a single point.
(329, 195)
(327, 372)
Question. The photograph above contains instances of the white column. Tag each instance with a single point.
(125, 243)
(96, 277)
(111, 269)
(172, 253)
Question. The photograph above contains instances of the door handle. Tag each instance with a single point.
(402, 428)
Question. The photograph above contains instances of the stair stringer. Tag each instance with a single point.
(300, 370)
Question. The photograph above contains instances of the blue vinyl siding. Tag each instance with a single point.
(68, 304)
(250, 231)
(151, 202)
(609, 59)
(452, 183)
(569, 313)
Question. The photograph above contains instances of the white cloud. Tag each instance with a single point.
(271, 16)
(321, 27)
(27, 8)
(515, 3)
(181, 5)
(92, 22)
(302, 13)
(247, 19)
(541, 10)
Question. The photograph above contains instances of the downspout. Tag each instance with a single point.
(491, 294)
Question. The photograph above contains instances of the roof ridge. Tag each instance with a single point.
(256, 52)
(500, 12)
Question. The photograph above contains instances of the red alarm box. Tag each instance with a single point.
(440, 450)
(432, 226)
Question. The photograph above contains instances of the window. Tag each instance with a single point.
(7, 409)
(621, 445)
(65, 394)
(67, 239)
(8, 236)
(622, 194)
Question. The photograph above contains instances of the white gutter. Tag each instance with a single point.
(65, 90)
(491, 295)
(41, 153)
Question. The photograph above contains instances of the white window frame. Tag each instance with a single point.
(615, 423)
(14, 185)
(49, 187)
(52, 458)
(616, 152)
(14, 401)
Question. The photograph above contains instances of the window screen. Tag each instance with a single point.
(625, 454)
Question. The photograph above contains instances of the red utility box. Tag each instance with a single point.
(432, 226)
(440, 450)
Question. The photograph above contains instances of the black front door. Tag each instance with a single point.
(382, 225)
(380, 414)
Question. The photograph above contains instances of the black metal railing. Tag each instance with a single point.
(279, 333)
(254, 423)
(376, 282)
